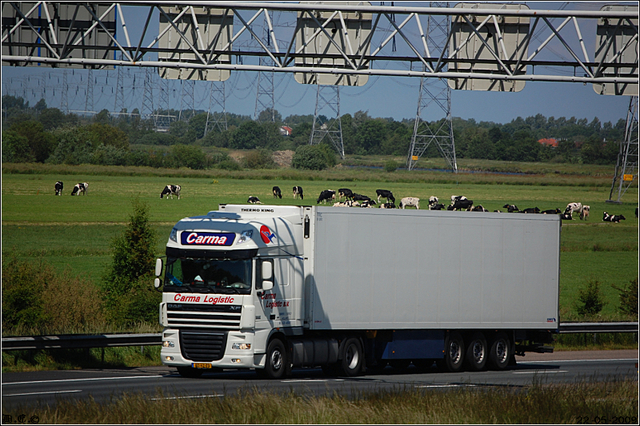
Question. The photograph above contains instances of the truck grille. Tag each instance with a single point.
(181, 315)
(201, 346)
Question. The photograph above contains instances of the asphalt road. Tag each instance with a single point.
(32, 388)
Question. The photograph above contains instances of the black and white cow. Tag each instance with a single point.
(438, 206)
(615, 218)
(59, 185)
(297, 190)
(346, 193)
(387, 206)
(567, 214)
(359, 197)
(170, 191)
(433, 201)
(254, 200)
(461, 205)
(575, 207)
(479, 208)
(276, 192)
(80, 188)
(530, 210)
(385, 194)
(511, 208)
(455, 198)
(326, 195)
(584, 213)
(551, 211)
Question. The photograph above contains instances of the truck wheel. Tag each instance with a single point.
(500, 352)
(189, 372)
(276, 365)
(352, 358)
(477, 352)
(454, 352)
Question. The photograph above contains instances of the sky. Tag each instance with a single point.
(382, 96)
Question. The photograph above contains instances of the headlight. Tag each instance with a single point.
(241, 346)
(174, 235)
(245, 236)
(168, 344)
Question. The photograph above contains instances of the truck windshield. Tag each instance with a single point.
(208, 275)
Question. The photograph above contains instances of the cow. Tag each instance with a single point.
(345, 192)
(433, 201)
(575, 207)
(461, 205)
(80, 188)
(368, 204)
(170, 191)
(254, 200)
(59, 185)
(358, 197)
(385, 194)
(615, 218)
(387, 206)
(551, 211)
(479, 208)
(584, 213)
(511, 208)
(326, 195)
(411, 202)
(297, 190)
(438, 206)
(567, 214)
(455, 198)
(276, 192)
(530, 210)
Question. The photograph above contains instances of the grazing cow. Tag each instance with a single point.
(410, 202)
(345, 192)
(433, 200)
(479, 208)
(59, 186)
(387, 206)
(584, 213)
(170, 191)
(511, 208)
(358, 197)
(297, 190)
(276, 192)
(326, 195)
(368, 204)
(615, 218)
(461, 205)
(455, 198)
(575, 207)
(530, 210)
(551, 211)
(254, 200)
(438, 206)
(567, 214)
(80, 188)
(385, 194)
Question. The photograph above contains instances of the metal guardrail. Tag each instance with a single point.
(76, 341)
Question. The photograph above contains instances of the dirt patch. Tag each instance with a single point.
(283, 158)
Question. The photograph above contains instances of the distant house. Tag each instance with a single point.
(548, 142)
(285, 130)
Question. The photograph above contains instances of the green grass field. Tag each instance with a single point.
(75, 232)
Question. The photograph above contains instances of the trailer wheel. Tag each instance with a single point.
(500, 353)
(277, 363)
(352, 357)
(454, 352)
(477, 352)
(189, 372)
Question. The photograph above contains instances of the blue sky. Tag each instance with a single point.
(395, 97)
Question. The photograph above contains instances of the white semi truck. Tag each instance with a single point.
(351, 289)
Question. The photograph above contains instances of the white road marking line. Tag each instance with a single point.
(311, 380)
(80, 380)
(43, 393)
(188, 397)
(541, 372)
(576, 360)
(446, 386)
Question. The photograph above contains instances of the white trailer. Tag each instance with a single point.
(348, 289)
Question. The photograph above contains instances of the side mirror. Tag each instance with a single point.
(157, 283)
(158, 267)
(267, 270)
(267, 285)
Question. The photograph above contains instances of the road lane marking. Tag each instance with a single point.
(541, 372)
(576, 360)
(188, 397)
(447, 386)
(43, 393)
(80, 380)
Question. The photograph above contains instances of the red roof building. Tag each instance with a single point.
(549, 142)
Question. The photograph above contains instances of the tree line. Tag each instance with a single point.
(43, 134)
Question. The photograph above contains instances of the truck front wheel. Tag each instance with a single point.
(477, 352)
(352, 358)
(454, 352)
(277, 363)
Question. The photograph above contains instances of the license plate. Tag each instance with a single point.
(200, 365)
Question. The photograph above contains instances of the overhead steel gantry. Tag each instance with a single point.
(331, 43)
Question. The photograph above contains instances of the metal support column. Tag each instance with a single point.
(328, 97)
(626, 171)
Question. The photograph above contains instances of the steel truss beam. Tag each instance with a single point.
(31, 31)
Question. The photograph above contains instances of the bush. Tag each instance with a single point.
(591, 300)
(390, 166)
(229, 164)
(310, 157)
(629, 297)
(259, 159)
